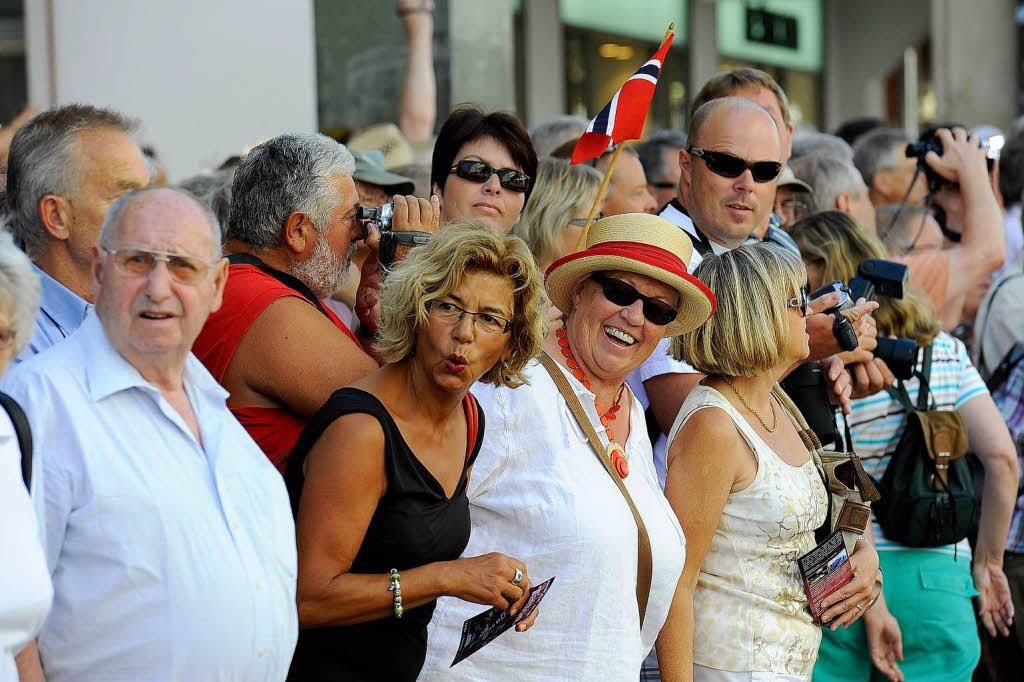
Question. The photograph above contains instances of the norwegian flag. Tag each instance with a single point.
(623, 118)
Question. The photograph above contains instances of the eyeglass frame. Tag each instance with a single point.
(802, 302)
(160, 257)
(463, 312)
(602, 280)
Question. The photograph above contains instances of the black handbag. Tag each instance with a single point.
(928, 491)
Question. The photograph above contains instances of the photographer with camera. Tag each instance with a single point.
(893, 638)
(950, 167)
(273, 344)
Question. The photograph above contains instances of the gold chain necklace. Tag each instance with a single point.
(775, 417)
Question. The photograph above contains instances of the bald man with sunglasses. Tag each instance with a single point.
(728, 177)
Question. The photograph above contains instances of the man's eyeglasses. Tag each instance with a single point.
(449, 313)
(729, 166)
(139, 262)
(792, 210)
(801, 301)
(622, 294)
(478, 171)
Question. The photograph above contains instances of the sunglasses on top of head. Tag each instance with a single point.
(478, 171)
(622, 294)
(729, 166)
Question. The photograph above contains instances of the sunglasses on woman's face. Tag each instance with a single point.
(478, 171)
(801, 301)
(729, 166)
(618, 292)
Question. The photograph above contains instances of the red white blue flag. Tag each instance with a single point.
(623, 118)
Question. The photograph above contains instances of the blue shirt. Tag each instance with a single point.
(172, 558)
(61, 312)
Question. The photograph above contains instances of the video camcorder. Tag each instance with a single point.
(390, 240)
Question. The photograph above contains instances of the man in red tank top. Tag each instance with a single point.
(273, 344)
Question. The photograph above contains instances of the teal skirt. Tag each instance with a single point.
(929, 593)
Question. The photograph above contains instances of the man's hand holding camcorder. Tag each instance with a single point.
(411, 214)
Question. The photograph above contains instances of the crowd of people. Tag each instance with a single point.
(304, 415)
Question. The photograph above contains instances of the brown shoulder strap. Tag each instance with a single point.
(644, 561)
(472, 423)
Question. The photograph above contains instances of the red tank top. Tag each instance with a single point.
(247, 293)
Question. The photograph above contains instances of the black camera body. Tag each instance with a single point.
(875, 276)
(918, 150)
(381, 218)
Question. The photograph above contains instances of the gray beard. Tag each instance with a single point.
(324, 272)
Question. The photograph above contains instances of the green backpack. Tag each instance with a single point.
(927, 489)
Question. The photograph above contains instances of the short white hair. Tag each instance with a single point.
(19, 288)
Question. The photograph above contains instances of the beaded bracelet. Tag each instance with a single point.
(396, 587)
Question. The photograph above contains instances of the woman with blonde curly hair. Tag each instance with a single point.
(378, 478)
(898, 639)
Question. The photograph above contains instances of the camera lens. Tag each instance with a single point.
(899, 354)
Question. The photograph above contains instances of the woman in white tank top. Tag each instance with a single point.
(744, 486)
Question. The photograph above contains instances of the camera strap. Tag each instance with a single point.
(284, 278)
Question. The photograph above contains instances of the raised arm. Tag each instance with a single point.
(418, 108)
(294, 356)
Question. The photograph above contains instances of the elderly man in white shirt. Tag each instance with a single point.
(169, 536)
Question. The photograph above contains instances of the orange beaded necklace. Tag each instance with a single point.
(615, 451)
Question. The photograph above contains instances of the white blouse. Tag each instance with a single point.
(25, 590)
(539, 493)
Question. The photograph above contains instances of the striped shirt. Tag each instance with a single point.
(877, 422)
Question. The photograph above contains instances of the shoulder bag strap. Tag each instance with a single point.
(284, 278)
(644, 561)
(988, 309)
(472, 424)
(1002, 372)
(924, 392)
(23, 433)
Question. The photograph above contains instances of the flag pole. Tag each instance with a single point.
(581, 243)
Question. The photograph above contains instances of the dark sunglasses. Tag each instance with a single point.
(801, 301)
(618, 292)
(729, 166)
(478, 171)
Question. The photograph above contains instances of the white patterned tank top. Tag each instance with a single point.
(750, 610)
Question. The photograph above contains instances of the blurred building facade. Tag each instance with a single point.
(209, 77)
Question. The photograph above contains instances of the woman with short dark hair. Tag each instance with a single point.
(484, 166)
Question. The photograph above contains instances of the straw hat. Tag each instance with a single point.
(788, 178)
(640, 243)
(385, 138)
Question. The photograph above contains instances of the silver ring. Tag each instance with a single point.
(859, 608)
(518, 577)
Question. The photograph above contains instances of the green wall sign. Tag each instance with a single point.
(786, 33)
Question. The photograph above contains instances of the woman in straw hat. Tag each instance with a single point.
(745, 485)
(565, 479)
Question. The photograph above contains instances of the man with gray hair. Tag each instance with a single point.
(168, 536)
(808, 142)
(550, 135)
(881, 158)
(837, 186)
(659, 155)
(274, 345)
(66, 166)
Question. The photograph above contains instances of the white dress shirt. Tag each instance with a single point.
(25, 591)
(171, 559)
(538, 493)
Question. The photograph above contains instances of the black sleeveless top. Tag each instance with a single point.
(414, 524)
